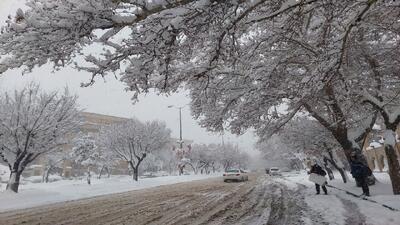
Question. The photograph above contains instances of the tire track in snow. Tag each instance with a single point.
(296, 209)
(353, 214)
(261, 201)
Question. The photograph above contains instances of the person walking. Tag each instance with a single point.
(317, 169)
(360, 172)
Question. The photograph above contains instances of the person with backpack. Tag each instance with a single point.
(317, 169)
(360, 172)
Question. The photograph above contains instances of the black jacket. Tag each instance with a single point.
(318, 170)
(359, 170)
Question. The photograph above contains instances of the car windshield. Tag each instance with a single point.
(232, 171)
(274, 169)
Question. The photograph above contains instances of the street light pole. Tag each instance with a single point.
(180, 128)
(180, 124)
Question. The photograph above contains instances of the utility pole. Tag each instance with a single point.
(180, 128)
(180, 124)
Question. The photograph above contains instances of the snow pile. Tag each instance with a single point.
(36, 194)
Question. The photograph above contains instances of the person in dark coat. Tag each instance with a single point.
(315, 168)
(360, 172)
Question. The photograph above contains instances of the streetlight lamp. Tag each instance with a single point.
(180, 124)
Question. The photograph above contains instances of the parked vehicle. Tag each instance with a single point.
(235, 175)
(274, 171)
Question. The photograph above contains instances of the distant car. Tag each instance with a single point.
(274, 171)
(235, 175)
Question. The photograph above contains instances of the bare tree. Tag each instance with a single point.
(133, 140)
(231, 155)
(33, 123)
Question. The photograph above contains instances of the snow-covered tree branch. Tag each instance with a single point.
(240, 60)
(33, 123)
(133, 140)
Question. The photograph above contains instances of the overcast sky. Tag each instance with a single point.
(110, 98)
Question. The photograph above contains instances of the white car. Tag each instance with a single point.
(235, 175)
(274, 171)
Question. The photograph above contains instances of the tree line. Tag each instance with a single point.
(38, 125)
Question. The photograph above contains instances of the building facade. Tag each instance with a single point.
(92, 123)
(374, 150)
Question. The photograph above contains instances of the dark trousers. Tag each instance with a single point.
(362, 181)
(323, 188)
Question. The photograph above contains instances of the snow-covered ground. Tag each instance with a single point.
(36, 194)
(337, 206)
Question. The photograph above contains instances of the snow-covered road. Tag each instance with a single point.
(38, 194)
(262, 200)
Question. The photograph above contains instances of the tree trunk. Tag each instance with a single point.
(46, 174)
(101, 172)
(394, 168)
(89, 175)
(135, 171)
(180, 168)
(194, 168)
(108, 172)
(392, 158)
(135, 174)
(340, 169)
(13, 182)
(330, 173)
(226, 166)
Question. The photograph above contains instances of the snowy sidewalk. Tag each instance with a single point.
(38, 194)
(339, 208)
